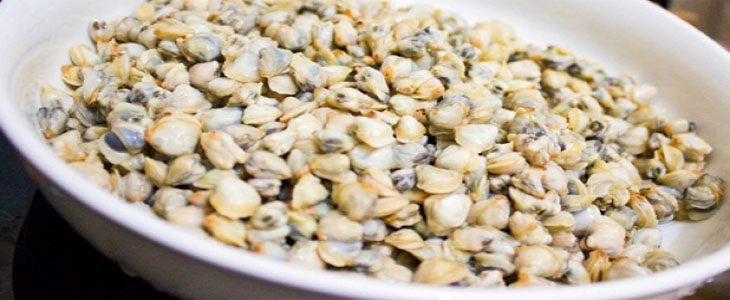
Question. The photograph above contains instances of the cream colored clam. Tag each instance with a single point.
(374, 132)
(222, 150)
(226, 230)
(437, 180)
(440, 271)
(235, 198)
(175, 135)
(307, 192)
(409, 129)
(444, 212)
(476, 137)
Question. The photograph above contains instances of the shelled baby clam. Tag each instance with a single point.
(403, 144)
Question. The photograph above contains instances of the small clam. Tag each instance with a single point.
(336, 227)
(585, 218)
(281, 142)
(407, 155)
(220, 118)
(174, 75)
(606, 235)
(477, 239)
(266, 187)
(703, 197)
(203, 73)
(184, 170)
(421, 85)
(539, 260)
(155, 170)
(455, 158)
(222, 87)
(333, 141)
(259, 114)
(221, 150)
(625, 268)
(476, 137)
(625, 216)
(305, 253)
(493, 212)
(344, 34)
(307, 192)
(246, 94)
(330, 166)
(68, 146)
(526, 229)
(339, 254)
(436, 180)
(52, 121)
(449, 113)
(373, 132)
(335, 74)
(409, 129)
(175, 135)
(380, 180)
(274, 61)
(562, 221)
(269, 216)
(445, 212)
(440, 271)
(189, 216)
(167, 199)
(100, 31)
(693, 147)
(650, 237)
(664, 203)
(302, 225)
(660, 260)
(202, 47)
(409, 215)
(597, 265)
(307, 74)
(576, 273)
(283, 84)
(229, 231)
(374, 230)
(134, 187)
(524, 70)
(646, 216)
(372, 81)
(395, 67)
(355, 199)
(235, 198)
(403, 179)
(394, 273)
(494, 261)
(244, 67)
(264, 164)
(509, 163)
(83, 56)
(245, 136)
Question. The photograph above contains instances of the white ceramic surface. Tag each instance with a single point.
(691, 72)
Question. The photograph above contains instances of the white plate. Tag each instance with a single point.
(691, 71)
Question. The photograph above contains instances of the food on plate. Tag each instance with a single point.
(400, 143)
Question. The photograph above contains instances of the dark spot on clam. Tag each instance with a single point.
(113, 141)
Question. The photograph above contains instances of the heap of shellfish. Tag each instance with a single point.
(404, 144)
